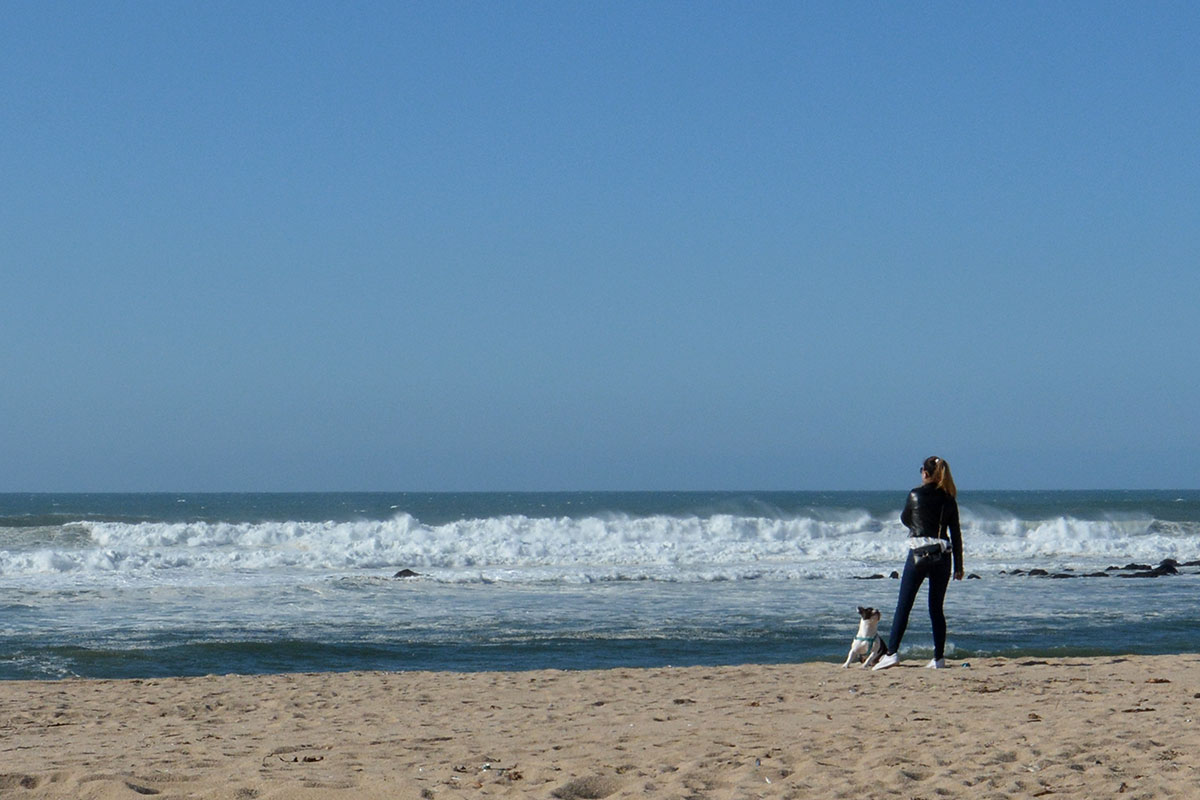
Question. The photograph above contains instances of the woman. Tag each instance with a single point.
(930, 513)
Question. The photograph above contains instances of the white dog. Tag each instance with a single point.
(868, 645)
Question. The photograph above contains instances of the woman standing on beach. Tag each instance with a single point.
(930, 513)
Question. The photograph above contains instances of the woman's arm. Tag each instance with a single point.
(906, 516)
(955, 537)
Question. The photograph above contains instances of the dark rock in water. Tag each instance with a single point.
(974, 577)
(1189, 564)
(1038, 573)
(1062, 575)
(1167, 568)
(1157, 572)
(1137, 566)
(1017, 572)
(1168, 562)
(876, 577)
(895, 575)
(407, 573)
(1096, 575)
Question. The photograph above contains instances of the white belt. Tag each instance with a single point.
(925, 541)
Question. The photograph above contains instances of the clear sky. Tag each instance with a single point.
(598, 245)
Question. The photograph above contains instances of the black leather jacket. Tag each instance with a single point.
(932, 512)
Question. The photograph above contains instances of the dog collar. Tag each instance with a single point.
(864, 638)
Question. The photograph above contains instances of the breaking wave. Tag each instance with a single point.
(607, 547)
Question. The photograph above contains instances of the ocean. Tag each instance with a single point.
(152, 585)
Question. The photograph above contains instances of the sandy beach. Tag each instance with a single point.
(998, 728)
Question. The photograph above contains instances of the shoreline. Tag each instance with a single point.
(1063, 727)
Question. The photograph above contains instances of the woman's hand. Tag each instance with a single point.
(958, 574)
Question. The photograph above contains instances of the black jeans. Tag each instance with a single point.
(910, 582)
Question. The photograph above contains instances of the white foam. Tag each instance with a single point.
(599, 548)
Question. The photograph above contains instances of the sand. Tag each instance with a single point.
(998, 728)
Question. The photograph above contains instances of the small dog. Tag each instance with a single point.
(868, 645)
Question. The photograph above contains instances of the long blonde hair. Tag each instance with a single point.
(939, 470)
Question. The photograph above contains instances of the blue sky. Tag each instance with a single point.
(455, 246)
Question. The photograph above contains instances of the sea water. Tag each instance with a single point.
(143, 585)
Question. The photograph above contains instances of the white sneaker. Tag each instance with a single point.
(889, 660)
(937, 663)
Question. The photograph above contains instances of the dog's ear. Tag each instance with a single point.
(862, 612)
